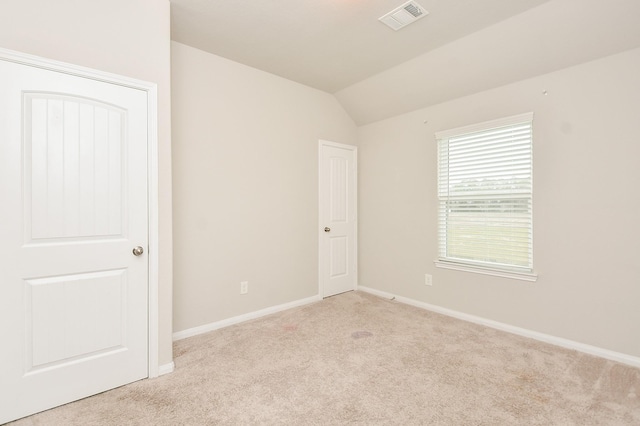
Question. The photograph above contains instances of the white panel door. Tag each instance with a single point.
(73, 190)
(338, 218)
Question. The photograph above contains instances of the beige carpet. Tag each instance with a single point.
(357, 359)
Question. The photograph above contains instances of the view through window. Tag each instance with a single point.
(485, 194)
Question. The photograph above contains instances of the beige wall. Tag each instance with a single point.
(126, 37)
(586, 206)
(245, 155)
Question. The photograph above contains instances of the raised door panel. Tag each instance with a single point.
(338, 256)
(74, 161)
(339, 189)
(74, 317)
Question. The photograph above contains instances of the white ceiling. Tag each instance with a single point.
(328, 44)
(553, 36)
(462, 47)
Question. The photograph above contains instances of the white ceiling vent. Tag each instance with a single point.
(404, 15)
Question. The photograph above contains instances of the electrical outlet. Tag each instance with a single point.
(428, 279)
(244, 287)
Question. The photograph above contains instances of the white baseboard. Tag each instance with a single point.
(547, 338)
(166, 369)
(178, 335)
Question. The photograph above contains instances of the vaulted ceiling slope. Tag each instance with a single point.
(328, 44)
(461, 47)
(553, 36)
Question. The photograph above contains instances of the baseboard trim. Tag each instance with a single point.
(166, 368)
(547, 338)
(190, 332)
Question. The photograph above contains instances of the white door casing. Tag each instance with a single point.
(75, 303)
(338, 218)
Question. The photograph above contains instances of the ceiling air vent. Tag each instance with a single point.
(404, 15)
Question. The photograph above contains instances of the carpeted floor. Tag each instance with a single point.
(357, 359)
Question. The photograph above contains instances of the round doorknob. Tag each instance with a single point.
(327, 229)
(137, 251)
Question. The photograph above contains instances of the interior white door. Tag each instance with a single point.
(338, 218)
(73, 185)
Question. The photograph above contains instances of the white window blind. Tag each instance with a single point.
(485, 195)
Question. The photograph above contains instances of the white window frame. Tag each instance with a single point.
(443, 261)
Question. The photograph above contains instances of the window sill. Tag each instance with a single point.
(524, 276)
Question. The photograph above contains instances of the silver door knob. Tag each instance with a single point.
(327, 229)
(137, 251)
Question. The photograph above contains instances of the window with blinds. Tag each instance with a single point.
(485, 195)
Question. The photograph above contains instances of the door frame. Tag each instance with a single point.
(322, 258)
(152, 169)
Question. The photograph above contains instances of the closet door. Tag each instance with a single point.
(73, 185)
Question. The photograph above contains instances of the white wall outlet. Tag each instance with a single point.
(244, 287)
(428, 279)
